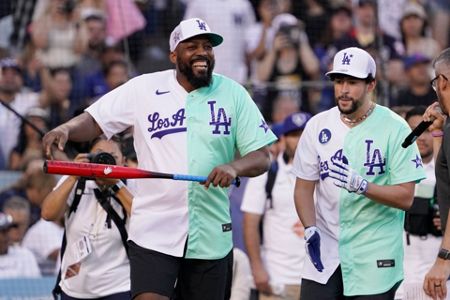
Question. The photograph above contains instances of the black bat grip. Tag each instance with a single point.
(416, 133)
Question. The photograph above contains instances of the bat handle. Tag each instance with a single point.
(236, 181)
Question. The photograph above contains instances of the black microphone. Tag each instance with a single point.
(416, 133)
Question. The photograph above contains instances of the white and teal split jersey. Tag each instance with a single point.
(363, 236)
(184, 133)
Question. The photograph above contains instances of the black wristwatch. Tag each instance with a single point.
(117, 186)
(444, 254)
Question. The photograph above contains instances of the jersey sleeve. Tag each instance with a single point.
(252, 130)
(406, 163)
(115, 111)
(306, 162)
(254, 198)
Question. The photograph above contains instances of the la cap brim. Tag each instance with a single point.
(352, 74)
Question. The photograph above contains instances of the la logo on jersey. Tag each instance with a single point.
(219, 119)
(324, 136)
(374, 159)
(346, 59)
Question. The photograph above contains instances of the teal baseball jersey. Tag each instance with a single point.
(183, 133)
(362, 236)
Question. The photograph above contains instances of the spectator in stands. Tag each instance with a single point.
(18, 187)
(418, 90)
(314, 14)
(37, 187)
(413, 28)
(31, 68)
(259, 37)
(95, 216)
(15, 261)
(339, 25)
(44, 237)
(231, 18)
(95, 84)
(94, 24)
(288, 62)
(284, 105)
(59, 42)
(19, 99)
(383, 47)
(115, 74)
(29, 145)
(276, 255)
(422, 224)
(441, 22)
(19, 209)
(54, 97)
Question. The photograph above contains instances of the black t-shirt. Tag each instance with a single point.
(390, 49)
(406, 97)
(443, 176)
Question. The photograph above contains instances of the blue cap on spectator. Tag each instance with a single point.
(6, 221)
(277, 129)
(294, 122)
(412, 60)
(10, 63)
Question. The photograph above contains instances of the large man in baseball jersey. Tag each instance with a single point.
(353, 182)
(187, 120)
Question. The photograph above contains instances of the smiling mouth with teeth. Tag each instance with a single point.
(200, 65)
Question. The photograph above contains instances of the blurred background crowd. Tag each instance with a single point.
(59, 56)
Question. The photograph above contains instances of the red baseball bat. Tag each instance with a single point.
(113, 171)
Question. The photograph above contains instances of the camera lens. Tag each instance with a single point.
(102, 158)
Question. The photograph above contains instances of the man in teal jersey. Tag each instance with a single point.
(353, 182)
(186, 121)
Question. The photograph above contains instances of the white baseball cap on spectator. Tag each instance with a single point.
(190, 28)
(284, 19)
(354, 62)
(414, 9)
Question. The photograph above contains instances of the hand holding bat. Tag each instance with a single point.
(113, 171)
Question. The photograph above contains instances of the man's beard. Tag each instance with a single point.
(351, 110)
(201, 80)
(9, 89)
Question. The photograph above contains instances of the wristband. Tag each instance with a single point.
(117, 186)
(444, 254)
(437, 133)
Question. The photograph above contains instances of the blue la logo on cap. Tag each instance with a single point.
(346, 59)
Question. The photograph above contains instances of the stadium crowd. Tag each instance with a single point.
(59, 56)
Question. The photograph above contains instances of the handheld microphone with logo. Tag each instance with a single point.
(416, 133)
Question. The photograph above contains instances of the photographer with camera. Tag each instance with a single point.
(94, 256)
(288, 63)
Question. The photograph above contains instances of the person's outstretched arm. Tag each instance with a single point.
(81, 128)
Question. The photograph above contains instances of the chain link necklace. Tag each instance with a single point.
(360, 119)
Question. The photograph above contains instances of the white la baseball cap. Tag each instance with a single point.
(190, 28)
(353, 62)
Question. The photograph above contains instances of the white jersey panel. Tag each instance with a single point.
(323, 136)
(155, 108)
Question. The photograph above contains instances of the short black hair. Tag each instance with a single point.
(418, 110)
(334, 76)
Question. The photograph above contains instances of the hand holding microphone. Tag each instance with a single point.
(433, 119)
